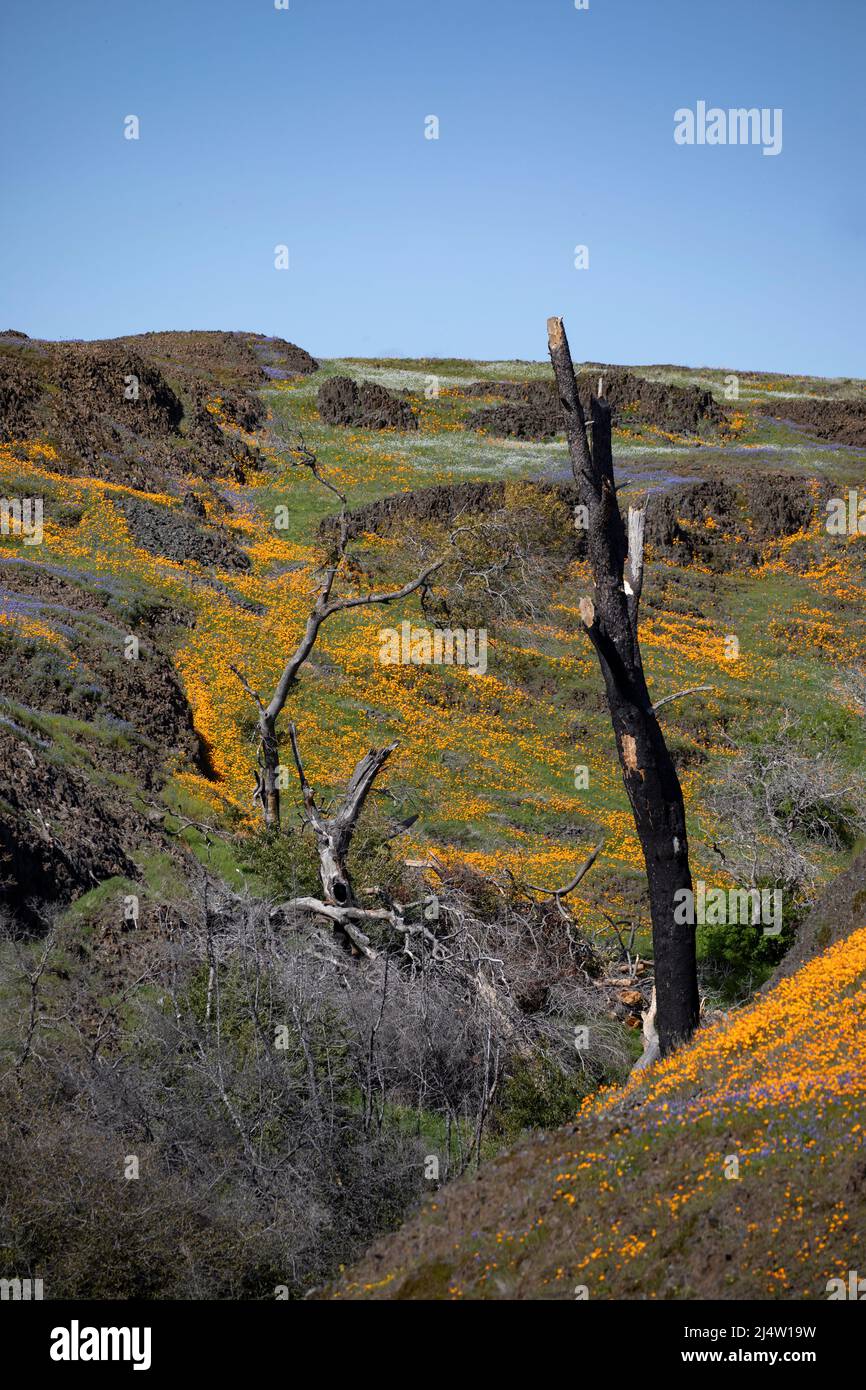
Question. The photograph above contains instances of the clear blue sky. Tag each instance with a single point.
(306, 127)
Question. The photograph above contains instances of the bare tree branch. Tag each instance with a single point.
(634, 562)
(680, 694)
(334, 834)
(324, 607)
(570, 887)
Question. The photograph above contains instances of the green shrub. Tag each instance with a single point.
(285, 863)
(737, 958)
(538, 1094)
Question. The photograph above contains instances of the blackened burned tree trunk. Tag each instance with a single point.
(611, 620)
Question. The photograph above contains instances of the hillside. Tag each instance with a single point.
(736, 1169)
(160, 519)
(163, 541)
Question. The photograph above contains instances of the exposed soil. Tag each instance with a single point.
(364, 405)
(840, 422)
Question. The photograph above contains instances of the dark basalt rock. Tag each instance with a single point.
(517, 421)
(138, 410)
(840, 422)
(19, 396)
(59, 834)
(365, 405)
(532, 409)
(170, 532)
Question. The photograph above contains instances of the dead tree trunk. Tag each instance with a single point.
(334, 838)
(611, 620)
(334, 834)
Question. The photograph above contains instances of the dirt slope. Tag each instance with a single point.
(736, 1169)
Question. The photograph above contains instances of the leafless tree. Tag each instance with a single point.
(33, 973)
(334, 836)
(504, 562)
(778, 803)
(326, 604)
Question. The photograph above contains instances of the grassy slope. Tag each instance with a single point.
(489, 763)
(490, 766)
(735, 1169)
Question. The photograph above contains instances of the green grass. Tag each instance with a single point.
(568, 711)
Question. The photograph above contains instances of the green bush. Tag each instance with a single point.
(737, 958)
(285, 863)
(538, 1094)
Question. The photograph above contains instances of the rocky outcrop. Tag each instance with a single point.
(839, 422)
(364, 405)
(171, 532)
(531, 409)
